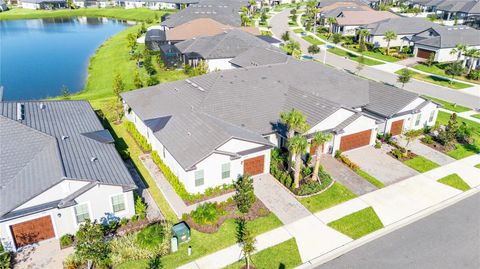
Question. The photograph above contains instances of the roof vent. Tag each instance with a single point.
(42, 106)
(64, 137)
(93, 159)
(20, 111)
(189, 134)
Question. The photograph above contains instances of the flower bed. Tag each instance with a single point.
(208, 217)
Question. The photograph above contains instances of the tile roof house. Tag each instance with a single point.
(43, 4)
(442, 39)
(448, 10)
(223, 124)
(58, 166)
(349, 21)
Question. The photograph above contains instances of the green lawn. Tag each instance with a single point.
(477, 116)
(438, 69)
(438, 80)
(298, 31)
(203, 244)
(421, 164)
(136, 14)
(477, 166)
(380, 56)
(449, 106)
(283, 255)
(462, 151)
(322, 36)
(375, 182)
(358, 224)
(312, 40)
(455, 181)
(336, 194)
(352, 56)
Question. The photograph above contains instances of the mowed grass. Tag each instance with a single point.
(477, 116)
(444, 82)
(477, 166)
(439, 69)
(203, 244)
(380, 56)
(462, 150)
(312, 40)
(455, 181)
(336, 194)
(353, 57)
(358, 224)
(421, 164)
(449, 106)
(283, 255)
(373, 180)
(136, 14)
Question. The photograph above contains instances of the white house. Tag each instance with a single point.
(43, 4)
(347, 22)
(59, 167)
(212, 128)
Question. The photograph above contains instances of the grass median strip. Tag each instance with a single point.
(455, 181)
(336, 194)
(439, 69)
(374, 181)
(421, 164)
(445, 82)
(358, 224)
(449, 106)
(312, 40)
(283, 255)
(353, 57)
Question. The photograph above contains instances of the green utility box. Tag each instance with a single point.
(181, 231)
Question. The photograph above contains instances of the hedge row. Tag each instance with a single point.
(139, 138)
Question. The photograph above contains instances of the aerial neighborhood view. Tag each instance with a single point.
(204, 134)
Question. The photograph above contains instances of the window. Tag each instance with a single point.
(81, 213)
(118, 203)
(432, 114)
(199, 178)
(417, 121)
(225, 170)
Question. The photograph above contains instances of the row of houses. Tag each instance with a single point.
(448, 10)
(128, 4)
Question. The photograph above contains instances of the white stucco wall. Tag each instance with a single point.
(160, 5)
(129, 5)
(30, 5)
(332, 121)
(379, 41)
(219, 64)
(409, 120)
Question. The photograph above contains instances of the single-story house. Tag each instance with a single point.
(349, 21)
(3, 7)
(448, 10)
(210, 129)
(43, 4)
(258, 56)
(58, 167)
(216, 51)
(94, 3)
(334, 8)
(404, 27)
(441, 40)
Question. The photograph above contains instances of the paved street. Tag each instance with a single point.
(279, 23)
(446, 239)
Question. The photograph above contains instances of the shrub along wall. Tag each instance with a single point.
(139, 138)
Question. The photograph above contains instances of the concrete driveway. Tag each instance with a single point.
(377, 163)
(47, 254)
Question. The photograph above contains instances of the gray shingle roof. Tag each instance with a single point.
(246, 103)
(36, 157)
(226, 45)
(259, 57)
(448, 36)
(401, 26)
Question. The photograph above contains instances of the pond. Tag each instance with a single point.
(38, 57)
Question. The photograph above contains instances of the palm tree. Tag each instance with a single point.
(459, 50)
(331, 21)
(313, 49)
(319, 138)
(472, 54)
(389, 36)
(286, 36)
(294, 121)
(362, 34)
(293, 48)
(297, 145)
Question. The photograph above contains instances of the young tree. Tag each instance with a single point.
(389, 36)
(313, 49)
(293, 48)
(137, 81)
(286, 36)
(155, 262)
(336, 38)
(90, 243)
(331, 21)
(459, 50)
(246, 240)
(448, 135)
(362, 35)
(411, 135)
(430, 59)
(118, 85)
(404, 76)
(117, 108)
(131, 41)
(319, 138)
(454, 69)
(65, 92)
(244, 195)
(360, 64)
(297, 145)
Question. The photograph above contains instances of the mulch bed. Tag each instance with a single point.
(205, 197)
(437, 146)
(410, 155)
(258, 210)
(132, 227)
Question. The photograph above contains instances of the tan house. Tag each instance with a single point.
(349, 21)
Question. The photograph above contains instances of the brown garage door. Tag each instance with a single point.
(355, 140)
(397, 127)
(421, 53)
(254, 166)
(32, 231)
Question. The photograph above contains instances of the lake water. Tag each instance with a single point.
(38, 57)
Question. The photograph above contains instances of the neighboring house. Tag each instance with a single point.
(349, 21)
(169, 4)
(3, 6)
(210, 129)
(129, 4)
(94, 3)
(259, 57)
(448, 10)
(58, 167)
(216, 51)
(334, 9)
(43, 4)
(441, 40)
(404, 27)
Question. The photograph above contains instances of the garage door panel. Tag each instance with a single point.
(254, 166)
(397, 127)
(32, 231)
(423, 53)
(355, 140)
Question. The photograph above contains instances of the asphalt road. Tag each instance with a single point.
(279, 23)
(447, 239)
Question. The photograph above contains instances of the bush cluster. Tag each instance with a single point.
(139, 138)
(171, 177)
(207, 213)
(347, 161)
(66, 240)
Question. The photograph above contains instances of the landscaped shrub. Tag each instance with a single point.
(474, 74)
(5, 260)
(151, 237)
(123, 222)
(397, 153)
(66, 240)
(428, 139)
(139, 138)
(140, 207)
(349, 163)
(288, 181)
(338, 153)
(71, 262)
(207, 213)
(378, 145)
